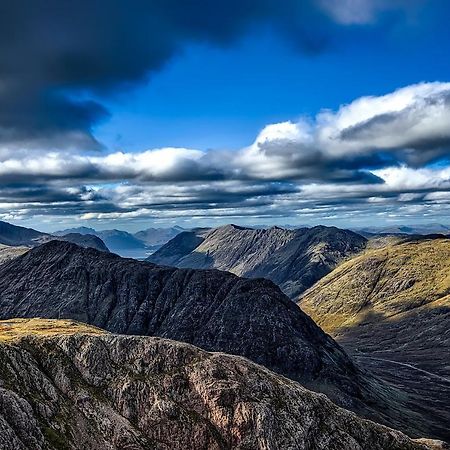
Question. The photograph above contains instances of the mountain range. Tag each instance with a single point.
(214, 310)
(16, 236)
(138, 245)
(293, 259)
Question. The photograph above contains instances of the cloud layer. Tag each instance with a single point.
(381, 156)
(57, 55)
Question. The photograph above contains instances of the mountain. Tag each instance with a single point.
(214, 310)
(293, 259)
(430, 228)
(66, 385)
(138, 246)
(120, 242)
(156, 237)
(390, 308)
(392, 301)
(83, 240)
(15, 236)
(7, 252)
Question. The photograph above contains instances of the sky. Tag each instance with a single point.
(136, 114)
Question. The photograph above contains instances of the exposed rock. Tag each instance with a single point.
(215, 310)
(293, 259)
(85, 390)
(7, 252)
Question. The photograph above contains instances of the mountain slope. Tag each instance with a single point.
(215, 310)
(394, 300)
(15, 236)
(137, 245)
(390, 308)
(67, 386)
(156, 237)
(294, 259)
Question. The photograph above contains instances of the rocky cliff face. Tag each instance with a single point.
(63, 386)
(293, 259)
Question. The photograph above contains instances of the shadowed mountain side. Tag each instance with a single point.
(64, 385)
(293, 259)
(15, 236)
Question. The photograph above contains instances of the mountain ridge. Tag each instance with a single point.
(293, 259)
(145, 392)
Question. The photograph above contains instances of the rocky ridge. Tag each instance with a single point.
(293, 259)
(80, 388)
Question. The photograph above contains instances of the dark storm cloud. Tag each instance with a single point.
(54, 51)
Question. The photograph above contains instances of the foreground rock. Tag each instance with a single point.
(66, 386)
(293, 259)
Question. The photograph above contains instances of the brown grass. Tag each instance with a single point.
(15, 329)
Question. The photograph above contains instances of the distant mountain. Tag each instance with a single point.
(431, 228)
(293, 259)
(139, 245)
(66, 385)
(83, 240)
(16, 236)
(156, 237)
(215, 310)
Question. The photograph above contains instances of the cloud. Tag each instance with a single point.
(377, 156)
(57, 56)
(360, 12)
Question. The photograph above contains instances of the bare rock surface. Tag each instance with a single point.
(293, 259)
(76, 388)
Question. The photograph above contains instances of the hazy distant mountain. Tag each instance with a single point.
(430, 228)
(88, 389)
(294, 259)
(156, 237)
(139, 245)
(16, 236)
(83, 240)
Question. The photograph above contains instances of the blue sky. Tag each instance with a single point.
(220, 97)
(128, 114)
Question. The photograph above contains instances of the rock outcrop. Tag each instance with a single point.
(293, 259)
(81, 389)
